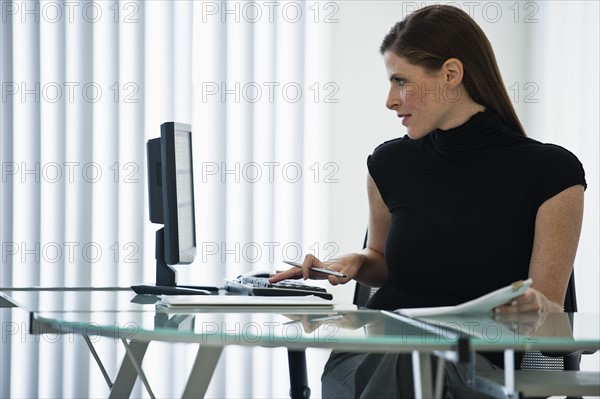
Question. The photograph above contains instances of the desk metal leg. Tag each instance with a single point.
(422, 379)
(509, 373)
(98, 361)
(202, 371)
(439, 378)
(138, 368)
(127, 374)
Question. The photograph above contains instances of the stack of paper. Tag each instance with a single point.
(239, 301)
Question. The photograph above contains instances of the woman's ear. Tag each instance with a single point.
(453, 71)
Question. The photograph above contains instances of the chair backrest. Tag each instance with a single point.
(570, 304)
(362, 294)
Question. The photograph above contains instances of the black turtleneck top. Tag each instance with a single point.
(463, 204)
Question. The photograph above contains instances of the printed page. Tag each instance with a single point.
(483, 304)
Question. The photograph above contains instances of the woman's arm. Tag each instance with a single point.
(373, 271)
(557, 229)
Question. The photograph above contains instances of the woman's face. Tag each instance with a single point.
(424, 100)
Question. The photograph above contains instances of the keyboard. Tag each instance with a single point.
(260, 286)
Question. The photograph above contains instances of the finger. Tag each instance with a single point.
(334, 280)
(316, 262)
(276, 272)
(511, 307)
(310, 261)
(523, 303)
(288, 274)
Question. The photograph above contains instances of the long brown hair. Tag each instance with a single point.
(433, 34)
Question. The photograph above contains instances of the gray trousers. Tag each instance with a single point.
(389, 375)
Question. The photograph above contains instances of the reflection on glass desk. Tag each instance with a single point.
(294, 328)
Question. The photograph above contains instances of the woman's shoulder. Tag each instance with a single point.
(394, 145)
(549, 152)
(390, 152)
(554, 163)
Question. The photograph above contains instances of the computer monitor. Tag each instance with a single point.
(171, 203)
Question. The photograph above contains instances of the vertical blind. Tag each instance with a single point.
(84, 85)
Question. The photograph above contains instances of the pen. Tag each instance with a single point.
(317, 269)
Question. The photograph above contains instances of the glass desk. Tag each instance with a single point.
(136, 321)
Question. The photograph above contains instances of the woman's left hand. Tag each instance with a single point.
(531, 301)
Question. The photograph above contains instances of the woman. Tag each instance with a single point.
(462, 205)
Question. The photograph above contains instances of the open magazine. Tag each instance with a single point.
(483, 304)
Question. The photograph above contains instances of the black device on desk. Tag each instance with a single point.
(258, 284)
(171, 203)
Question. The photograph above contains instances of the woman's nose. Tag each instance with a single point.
(393, 99)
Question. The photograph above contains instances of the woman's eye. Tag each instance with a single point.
(399, 82)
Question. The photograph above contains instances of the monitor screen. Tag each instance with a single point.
(178, 193)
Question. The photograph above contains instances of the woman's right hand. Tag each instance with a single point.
(347, 265)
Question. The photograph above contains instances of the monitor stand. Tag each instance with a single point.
(166, 277)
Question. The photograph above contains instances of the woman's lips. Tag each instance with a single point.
(405, 118)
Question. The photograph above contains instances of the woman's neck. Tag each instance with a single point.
(462, 113)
